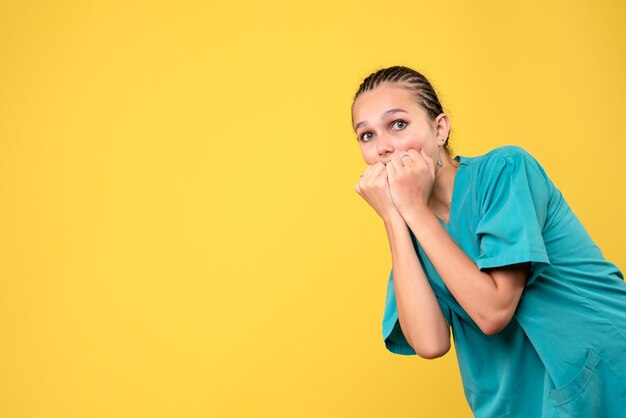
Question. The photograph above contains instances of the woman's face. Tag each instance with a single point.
(388, 121)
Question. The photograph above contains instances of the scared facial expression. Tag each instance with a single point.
(388, 121)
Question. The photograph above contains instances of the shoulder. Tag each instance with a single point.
(507, 153)
(507, 157)
(505, 168)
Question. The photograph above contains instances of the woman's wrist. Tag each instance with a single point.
(417, 215)
(393, 218)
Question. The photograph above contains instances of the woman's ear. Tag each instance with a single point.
(442, 128)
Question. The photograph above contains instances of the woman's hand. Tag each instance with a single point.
(374, 188)
(411, 176)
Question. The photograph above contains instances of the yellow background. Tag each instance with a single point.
(179, 230)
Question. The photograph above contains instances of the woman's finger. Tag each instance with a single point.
(397, 163)
(414, 154)
(407, 158)
(390, 167)
(376, 170)
(424, 155)
(429, 162)
(391, 172)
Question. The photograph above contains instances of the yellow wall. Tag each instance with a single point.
(179, 230)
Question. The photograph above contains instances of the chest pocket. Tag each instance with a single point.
(595, 391)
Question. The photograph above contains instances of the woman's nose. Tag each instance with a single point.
(384, 145)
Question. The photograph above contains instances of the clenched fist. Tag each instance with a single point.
(411, 176)
(373, 186)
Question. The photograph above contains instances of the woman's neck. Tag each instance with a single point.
(441, 195)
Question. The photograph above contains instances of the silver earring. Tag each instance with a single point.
(439, 162)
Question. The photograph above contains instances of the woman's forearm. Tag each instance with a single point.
(420, 316)
(489, 305)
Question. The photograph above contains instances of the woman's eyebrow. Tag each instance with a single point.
(392, 111)
(383, 116)
(358, 125)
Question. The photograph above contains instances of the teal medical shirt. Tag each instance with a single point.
(563, 354)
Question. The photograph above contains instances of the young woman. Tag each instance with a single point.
(488, 246)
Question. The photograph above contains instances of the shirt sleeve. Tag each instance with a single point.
(513, 203)
(394, 338)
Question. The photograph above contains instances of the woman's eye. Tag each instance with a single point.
(400, 124)
(366, 136)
